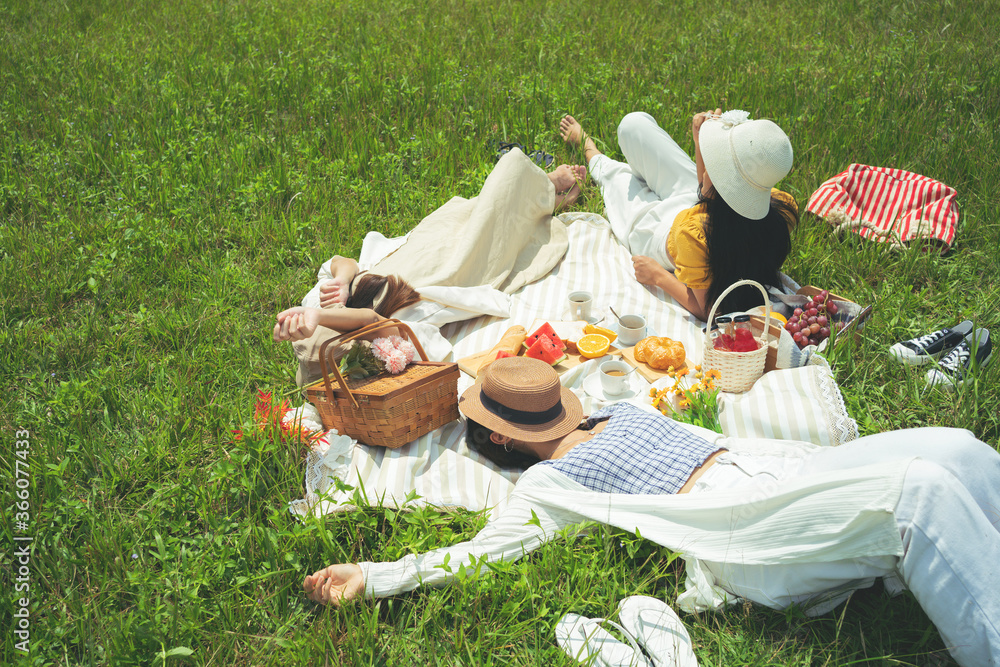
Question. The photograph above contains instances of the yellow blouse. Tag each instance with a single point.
(688, 248)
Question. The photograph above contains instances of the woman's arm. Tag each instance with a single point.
(300, 322)
(517, 531)
(649, 272)
(338, 288)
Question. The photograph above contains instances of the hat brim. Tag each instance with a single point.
(471, 405)
(716, 153)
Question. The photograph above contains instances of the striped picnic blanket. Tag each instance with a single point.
(888, 205)
(440, 469)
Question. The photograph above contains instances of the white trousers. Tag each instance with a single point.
(643, 195)
(949, 520)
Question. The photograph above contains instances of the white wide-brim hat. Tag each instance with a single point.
(745, 159)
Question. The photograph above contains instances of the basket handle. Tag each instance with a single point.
(740, 283)
(351, 335)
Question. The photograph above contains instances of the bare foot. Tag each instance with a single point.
(572, 133)
(570, 130)
(566, 176)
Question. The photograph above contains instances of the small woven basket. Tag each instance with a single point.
(738, 370)
(385, 410)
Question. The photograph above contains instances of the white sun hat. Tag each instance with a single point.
(745, 159)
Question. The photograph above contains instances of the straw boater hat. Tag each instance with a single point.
(745, 159)
(521, 398)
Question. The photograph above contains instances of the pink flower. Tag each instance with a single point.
(383, 347)
(407, 349)
(395, 362)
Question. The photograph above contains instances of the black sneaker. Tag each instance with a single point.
(952, 369)
(925, 349)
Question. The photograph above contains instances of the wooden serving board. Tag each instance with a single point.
(572, 330)
(644, 369)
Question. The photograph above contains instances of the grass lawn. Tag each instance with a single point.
(172, 174)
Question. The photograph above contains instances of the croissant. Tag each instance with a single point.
(660, 352)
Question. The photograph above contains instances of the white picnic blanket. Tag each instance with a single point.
(439, 469)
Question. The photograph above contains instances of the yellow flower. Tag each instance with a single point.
(712, 373)
(684, 403)
(698, 367)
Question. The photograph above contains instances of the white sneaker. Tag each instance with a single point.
(953, 368)
(658, 629)
(925, 349)
(584, 640)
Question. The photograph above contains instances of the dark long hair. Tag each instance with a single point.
(744, 249)
(367, 286)
(478, 438)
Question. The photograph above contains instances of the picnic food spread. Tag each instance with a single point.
(660, 352)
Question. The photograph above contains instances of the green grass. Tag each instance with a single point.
(172, 173)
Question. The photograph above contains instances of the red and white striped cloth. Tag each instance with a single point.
(888, 205)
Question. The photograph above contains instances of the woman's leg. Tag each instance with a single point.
(948, 516)
(949, 563)
(655, 157)
(958, 451)
(640, 219)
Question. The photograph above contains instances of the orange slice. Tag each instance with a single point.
(607, 333)
(593, 345)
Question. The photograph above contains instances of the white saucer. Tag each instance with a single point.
(592, 385)
(615, 326)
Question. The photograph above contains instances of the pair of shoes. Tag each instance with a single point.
(925, 349)
(539, 157)
(975, 351)
(645, 621)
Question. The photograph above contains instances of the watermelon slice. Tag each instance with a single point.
(546, 350)
(544, 330)
(504, 353)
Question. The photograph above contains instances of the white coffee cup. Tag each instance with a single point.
(631, 329)
(615, 376)
(580, 304)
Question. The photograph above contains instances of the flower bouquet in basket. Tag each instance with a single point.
(378, 392)
(392, 354)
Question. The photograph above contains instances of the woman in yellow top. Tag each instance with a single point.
(694, 227)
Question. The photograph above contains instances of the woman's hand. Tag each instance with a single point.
(647, 270)
(699, 119)
(296, 323)
(334, 291)
(335, 584)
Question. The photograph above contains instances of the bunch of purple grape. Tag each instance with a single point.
(811, 324)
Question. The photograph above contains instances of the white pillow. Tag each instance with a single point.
(790, 404)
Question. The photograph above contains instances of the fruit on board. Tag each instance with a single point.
(544, 330)
(504, 353)
(592, 346)
(546, 350)
(812, 323)
(594, 329)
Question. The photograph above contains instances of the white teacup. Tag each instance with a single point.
(615, 377)
(580, 304)
(631, 329)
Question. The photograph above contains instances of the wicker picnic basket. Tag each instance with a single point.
(385, 409)
(738, 370)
